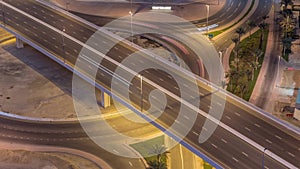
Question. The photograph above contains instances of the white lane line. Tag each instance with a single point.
(247, 129)
(235, 159)
(245, 154)
(238, 114)
(176, 87)
(224, 141)
(204, 128)
(229, 118)
(186, 117)
(292, 155)
(268, 141)
(130, 163)
(170, 107)
(214, 145)
(278, 137)
(195, 133)
(218, 103)
(161, 79)
(185, 85)
(115, 151)
(257, 125)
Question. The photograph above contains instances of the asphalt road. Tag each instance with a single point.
(262, 9)
(222, 146)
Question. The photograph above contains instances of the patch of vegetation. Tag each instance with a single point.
(153, 151)
(245, 68)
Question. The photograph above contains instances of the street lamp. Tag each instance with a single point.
(207, 14)
(141, 92)
(263, 159)
(279, 58)
(131, 29)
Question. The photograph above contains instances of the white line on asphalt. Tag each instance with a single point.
(176, 87)
(204, 128)
(170, 107)
(245, 154)
(214, 145)
(278, 137)
(268, 141)
(224, 141)
(161, 79)
(229, 118)
(291, 154)
(195, 133)
(115, 151)
(130, 163)
(257, 125)
(238, 114)
(248, 129)
(186, 117)
(235, 159)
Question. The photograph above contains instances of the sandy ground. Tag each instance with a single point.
(19, 159)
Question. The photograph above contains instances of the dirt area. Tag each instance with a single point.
(19, 159)
(32, 84)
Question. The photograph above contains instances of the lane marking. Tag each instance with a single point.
(224, 141)
(247, 129)
(291, 154)
(245, 154)
(278, 137)
(195, 133)
(214, 145)
(268, 141)
(235, 159)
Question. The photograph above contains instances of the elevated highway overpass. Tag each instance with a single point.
(244, 131)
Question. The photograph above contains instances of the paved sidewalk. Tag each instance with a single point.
(114, 9)
(268, 54)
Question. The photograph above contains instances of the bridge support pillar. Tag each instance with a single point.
(105, 100)
(19, 43)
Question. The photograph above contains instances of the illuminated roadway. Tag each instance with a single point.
(223, 147)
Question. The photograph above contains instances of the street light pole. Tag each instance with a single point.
(141, 86)
(131, 29)
(207, 15)
(263, 159)
(279, 58)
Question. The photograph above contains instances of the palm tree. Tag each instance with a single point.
(236, 47)
(240, 31)
(159, 151)
(262, 26)
(286, 3)
(251, 24)
(286, 44)
(288, 26)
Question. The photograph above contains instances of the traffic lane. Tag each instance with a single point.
(223, 147)
(263, 133)
(256, 129)
(52, 17)
(30, 29)
(262, 9)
